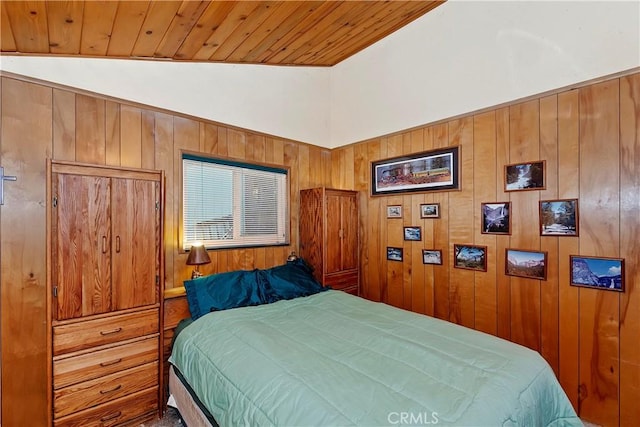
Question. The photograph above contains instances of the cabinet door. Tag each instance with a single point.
(333, 233)
(136, 238)
(341, 232)
(81, 245)
(349, 226)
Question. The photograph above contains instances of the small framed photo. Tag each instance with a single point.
(529, 264)
(559, 217)
(413, 233)
(394, 254)
(470, 257)
(432, 256)
(394, 211)
(524, 176)
(496, 218)
(597, 272)
(430, 210)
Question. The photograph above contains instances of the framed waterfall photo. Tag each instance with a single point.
(495, 218)
(524, 176)
(597, 272)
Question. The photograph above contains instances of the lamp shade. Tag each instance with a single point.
(198, 255)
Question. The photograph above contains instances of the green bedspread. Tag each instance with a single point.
(335, 359)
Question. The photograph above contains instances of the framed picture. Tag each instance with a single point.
(597, 272)
(470, 257)
(430, 210)
(432, 256)
(426, 171)
(496, 218)
(529, 264)
(524, 176)
(394, 254)
(559, 217)
(413, 233)
(394, 211)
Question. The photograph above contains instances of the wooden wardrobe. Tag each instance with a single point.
(104, 309)
(329, 236)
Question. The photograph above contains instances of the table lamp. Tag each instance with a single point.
(197, 256)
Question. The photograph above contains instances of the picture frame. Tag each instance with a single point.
(470, 257)
(495, 218)
(434, 170)
(430, 210)
(597, 272)
(559, 217)
(527, 264)
(525, 176)
(432, 256)
(413, 233)
(394, 254)
(394, 211)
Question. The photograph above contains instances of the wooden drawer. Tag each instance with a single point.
(342, 280)
(78, 367)
(129, 410)
(353, 290)
(83, 334)
(104, 389)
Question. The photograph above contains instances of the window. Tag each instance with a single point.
(229, 204)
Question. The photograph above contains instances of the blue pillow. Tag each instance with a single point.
(292, 280)
(226, 290)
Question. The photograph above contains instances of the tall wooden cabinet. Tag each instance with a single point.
(105, 264)
(329, 236)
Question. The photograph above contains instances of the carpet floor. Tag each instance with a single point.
(171, 419)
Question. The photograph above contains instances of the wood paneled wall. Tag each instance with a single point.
(40, 121)
(589, 137)
(590, 140)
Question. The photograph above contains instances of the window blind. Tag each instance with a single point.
(231, 204)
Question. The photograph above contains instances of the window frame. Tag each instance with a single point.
(243, 163)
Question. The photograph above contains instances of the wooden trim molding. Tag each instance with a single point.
(175, 308)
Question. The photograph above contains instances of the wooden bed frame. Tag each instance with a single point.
(176, 308)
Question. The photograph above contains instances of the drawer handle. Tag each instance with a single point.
(111, 417)
(113, 331)
(113, 362)
(116, 388)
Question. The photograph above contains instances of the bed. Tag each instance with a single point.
(279, 356)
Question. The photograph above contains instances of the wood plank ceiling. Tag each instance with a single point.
(315, 33)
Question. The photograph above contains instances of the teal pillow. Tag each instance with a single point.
(223, 291)
(292, 280)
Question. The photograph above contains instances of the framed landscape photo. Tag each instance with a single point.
(394, 211)
(559, 217)
(394, 254)
(496, 218)
(413, 233)
(597, 272)
(470, 257)
(430, 210)
(529, 264)
(524, 176)
(427, 171)
(432, 256)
